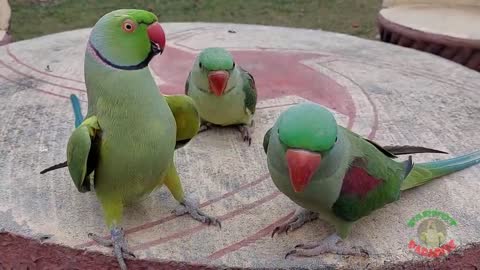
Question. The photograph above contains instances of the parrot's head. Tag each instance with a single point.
(214, 71)
(308, 132)
(127, 39)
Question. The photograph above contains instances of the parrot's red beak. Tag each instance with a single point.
(218, 81)
(302, 165)
(157, 35)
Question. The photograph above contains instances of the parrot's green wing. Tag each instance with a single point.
(186, 117)
(381, 149)
(393, 150)
(250, 91)
(411, 149)
(187, 83)
(266, 140)
(371, 181)
(82, 153)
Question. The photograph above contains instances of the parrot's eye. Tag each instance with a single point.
(233, 65)
(129, 26)
(200, 64)
(336, 139)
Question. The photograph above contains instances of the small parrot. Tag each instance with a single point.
(125, 145)
(337, 175)
(225, 94)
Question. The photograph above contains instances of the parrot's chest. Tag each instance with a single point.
(224, 110)
(135, 152)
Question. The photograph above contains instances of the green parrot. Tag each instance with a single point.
(335, 174)
(225, 94)
(126, 142)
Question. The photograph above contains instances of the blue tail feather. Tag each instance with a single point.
(455, 163)
(77, 110)
(425, 172)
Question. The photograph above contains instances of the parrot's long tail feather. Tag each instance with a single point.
(411, 149)
(77, 110)
(54, 167)
(425, 172)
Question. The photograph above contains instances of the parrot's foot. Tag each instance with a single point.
(327, 245)
(187, 206)
(118, 243)
(300, 217)
(246, 133)
(204, 127)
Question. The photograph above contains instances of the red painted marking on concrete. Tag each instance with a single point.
(249, 240)
(37, 70)
(33, 88)
(184, 233)
(173, 216)
(41, 80)
(374, 129)
(276, 74)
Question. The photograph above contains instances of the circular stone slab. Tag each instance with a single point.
(446, 30)
(387, 93)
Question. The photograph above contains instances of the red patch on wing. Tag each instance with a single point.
(358, 182)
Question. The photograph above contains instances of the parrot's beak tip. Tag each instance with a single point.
(156, 49)
(302, 165)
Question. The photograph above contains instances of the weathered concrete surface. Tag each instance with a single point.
(389, 93)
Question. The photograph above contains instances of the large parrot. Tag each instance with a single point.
(336, 175)
(126, 142)
(225, 94)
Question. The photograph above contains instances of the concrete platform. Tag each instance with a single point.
(388, 93)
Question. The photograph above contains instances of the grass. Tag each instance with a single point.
(32, 18)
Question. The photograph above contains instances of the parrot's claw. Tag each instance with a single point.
(100, 240)
(327, 245)
(119, 245)
(192, 209)
(300, 217)
(204, 127)
(246, 133)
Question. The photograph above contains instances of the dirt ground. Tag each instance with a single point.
(22, 253)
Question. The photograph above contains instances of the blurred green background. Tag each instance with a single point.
(32, 18)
